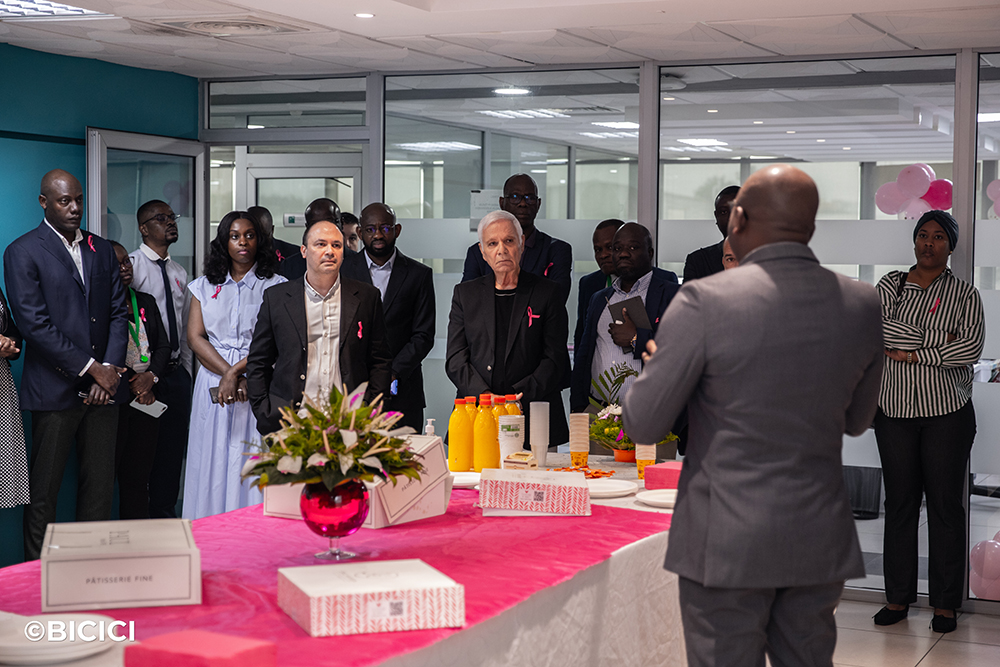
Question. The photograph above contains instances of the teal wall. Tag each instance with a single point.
(46, 104)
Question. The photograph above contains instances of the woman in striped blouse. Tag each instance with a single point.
(925, 425)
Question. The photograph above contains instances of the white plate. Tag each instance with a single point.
(611, 488)
(17, 649)
(465, 480)
(658, 498)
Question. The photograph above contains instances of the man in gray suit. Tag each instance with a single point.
(775, 360)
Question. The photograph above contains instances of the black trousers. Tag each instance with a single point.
(137, 437)
(93, 428)
(925, 456)
(174, 389)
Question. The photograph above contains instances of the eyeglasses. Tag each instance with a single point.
(528, 199)
(125, 262)
(161, 218)
(385, 229)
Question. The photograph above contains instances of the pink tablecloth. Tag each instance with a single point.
(501, 561)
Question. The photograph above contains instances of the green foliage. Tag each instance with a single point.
(334, 441)
(611, 382)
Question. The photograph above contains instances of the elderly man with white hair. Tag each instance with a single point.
(507, 330)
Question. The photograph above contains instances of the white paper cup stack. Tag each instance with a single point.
(579, 432)
(511, 435)
(539, 435)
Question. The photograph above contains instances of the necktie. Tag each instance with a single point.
(169, 296)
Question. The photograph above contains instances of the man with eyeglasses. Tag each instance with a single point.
(155, 273)
(611, 337)
(543, 255)
(407, 290)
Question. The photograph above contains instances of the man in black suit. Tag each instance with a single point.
(315, 333)
(542, 255)
(594, 282)
(67, 298)
(290, 262)
(407, 291)
(708, 260)
(507, 330)
(612, 340)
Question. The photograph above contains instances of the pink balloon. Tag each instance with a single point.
(890, 199)
(913, 180)
(996, 207)
(938, 195)
(926, 167)
(982, 589)
(914, 208)
(993, 190)
(984, 560)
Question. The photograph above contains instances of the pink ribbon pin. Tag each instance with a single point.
(359, 330)
(937, 302)
(546, 272)
(90, 242)
(217, 290)
(657, 321)
(142, 314)
(532, 316)
(280, 258)
(179, 286)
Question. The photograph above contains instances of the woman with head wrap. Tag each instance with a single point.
(925, 425)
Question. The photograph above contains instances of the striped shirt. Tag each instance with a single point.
(606, 353)
(940, 380)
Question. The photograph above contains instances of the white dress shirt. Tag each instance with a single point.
(147, 277)
(323, 336)
(77, 256)
(380, 274)
(606, 353)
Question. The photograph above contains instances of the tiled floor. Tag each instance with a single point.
(860, 643)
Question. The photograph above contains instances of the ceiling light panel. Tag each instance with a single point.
(40, 9)
(525, 113)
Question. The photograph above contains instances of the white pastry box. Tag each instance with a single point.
(533, 493)
(112, 564)
(388, 504)
(377, 596)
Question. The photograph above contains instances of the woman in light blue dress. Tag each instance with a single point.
(224, 306)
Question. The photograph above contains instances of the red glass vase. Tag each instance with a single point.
(334, 513)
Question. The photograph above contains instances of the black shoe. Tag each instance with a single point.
(940, 623)
(886, 616)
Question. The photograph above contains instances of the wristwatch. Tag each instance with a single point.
(155, 379)
(635, 337)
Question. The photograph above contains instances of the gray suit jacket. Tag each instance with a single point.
(775, 360)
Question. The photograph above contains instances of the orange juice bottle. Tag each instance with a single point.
(470, 406)
(512, 407)
(485, 446)
(460, 438)
(499, 408)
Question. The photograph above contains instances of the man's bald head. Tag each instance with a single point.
(56, 179)
(776, 204)
(323, 209)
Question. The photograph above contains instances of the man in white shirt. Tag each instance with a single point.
(156, 274)
(407, 290)
(66, 296)
(320, 331)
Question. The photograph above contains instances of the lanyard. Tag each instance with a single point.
(133, 329)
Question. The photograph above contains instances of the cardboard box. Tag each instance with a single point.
(377, 596)
(533, 493)
(663, 475)
(389, 505)
(114, 564)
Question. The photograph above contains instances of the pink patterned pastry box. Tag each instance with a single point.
(533, 493)
(663, 475)
(377, 596)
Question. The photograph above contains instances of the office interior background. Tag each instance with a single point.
(640, 111)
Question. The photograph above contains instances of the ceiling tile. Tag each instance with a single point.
(801, 36)
(539, 46)
(456, 52)
(675, 41)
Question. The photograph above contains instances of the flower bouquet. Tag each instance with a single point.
(333, 442)
(606, 428)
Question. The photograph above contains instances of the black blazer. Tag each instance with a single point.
(65, 321)
(156, 334)
(409, 321)
(291, 263)
(279, 353)
(703, 262)
(662, 288)
(546, 257)
(536, 344)
(7, 326)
